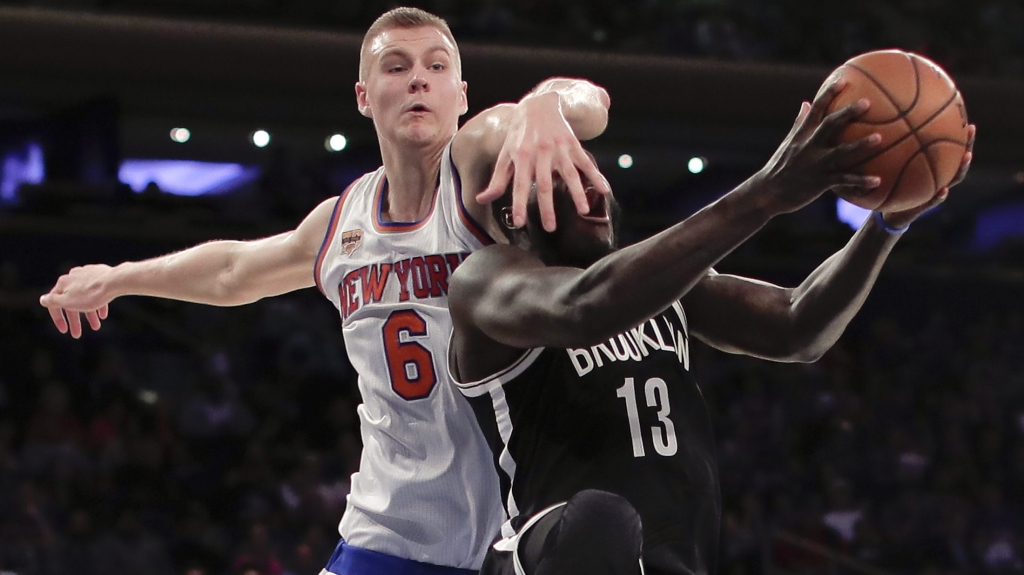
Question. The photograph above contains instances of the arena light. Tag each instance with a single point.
(851, 215)
(696, 165)
(625, 161)
(186, 177)
(21, 166)
(261, 138)
(336, 143)
(180, 135)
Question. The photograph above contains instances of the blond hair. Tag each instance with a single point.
(404, 17)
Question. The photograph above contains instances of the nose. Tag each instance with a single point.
(418, 82)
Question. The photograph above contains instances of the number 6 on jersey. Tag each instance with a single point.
(410, 365)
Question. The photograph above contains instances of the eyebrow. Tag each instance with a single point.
(403, 52)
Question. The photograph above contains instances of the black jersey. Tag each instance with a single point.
(624, 416)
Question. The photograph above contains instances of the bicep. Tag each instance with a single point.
(516, 301)
(283, 263)
(741, 315)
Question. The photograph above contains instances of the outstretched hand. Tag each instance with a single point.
(809, 161)
(904, 218)
(76, 293)
(539, 143)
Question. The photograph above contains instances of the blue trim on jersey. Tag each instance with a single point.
(349, 560)
(332, 228)
(385, 226)
(474, 226)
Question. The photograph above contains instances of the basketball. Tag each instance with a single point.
(919, 113)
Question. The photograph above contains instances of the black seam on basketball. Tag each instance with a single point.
(921, 144)
(932, 143)
(900, 112)
(903, 170)
(911, 131)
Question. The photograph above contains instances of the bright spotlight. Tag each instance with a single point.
(180, 135)
(336, 143)
(625, 161)
(261, 138)
(696, 165)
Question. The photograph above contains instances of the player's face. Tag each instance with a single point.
(412, 88)
(578, 240)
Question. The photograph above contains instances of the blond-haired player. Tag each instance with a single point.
(425, 499)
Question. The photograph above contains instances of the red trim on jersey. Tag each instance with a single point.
(393, 227)
(332, 227)
(467, 219)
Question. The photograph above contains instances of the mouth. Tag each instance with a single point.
(598, 203)
(417, 108)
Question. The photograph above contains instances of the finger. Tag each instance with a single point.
(58, 319)
(805, 107)
(585, 164)
(522, 181)
(938, 199)
(821, 103)
(961, 173)
(907, 217)
(855, 184)
(574, 184)
(502, 175)
(972, 132)
(74, 323)
(104, 311)
(829, 128)
(93, 318)
(854, 148)
(545, 192)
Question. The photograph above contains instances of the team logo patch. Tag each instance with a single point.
(351, 240)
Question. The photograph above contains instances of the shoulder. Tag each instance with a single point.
(487, 270)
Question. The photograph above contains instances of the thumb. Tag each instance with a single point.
(805, 108)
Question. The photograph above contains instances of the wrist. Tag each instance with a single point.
(762, 191)
(117, 281)
(879, 220)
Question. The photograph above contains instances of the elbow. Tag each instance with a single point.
(806, 348)
(229, 290)
(589, 322)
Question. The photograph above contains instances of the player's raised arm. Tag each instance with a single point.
(746, 316)
(223, 273)
(529, 141)
(520, 300)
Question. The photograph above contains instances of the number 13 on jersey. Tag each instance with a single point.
(663, 435)
(410, 365)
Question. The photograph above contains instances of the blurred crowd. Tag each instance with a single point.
(182, 439)
(978, 37)
(903, 447)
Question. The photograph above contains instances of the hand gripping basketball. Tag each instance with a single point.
(810, 161)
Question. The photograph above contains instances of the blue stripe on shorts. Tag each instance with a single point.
(349, 560)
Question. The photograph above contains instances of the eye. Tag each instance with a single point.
(395, 68)
(437, 66)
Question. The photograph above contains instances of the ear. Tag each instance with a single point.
(463, 99)
(362, 104)
(506, 218)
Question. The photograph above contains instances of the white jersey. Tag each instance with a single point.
(426, 489)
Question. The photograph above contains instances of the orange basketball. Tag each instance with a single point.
(922, 120)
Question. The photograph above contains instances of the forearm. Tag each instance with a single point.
(825, 303)
(584, 105)
(201, 274)
(637, 282)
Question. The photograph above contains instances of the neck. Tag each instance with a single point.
(412, 174)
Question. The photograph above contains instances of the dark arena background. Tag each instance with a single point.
(183, 439)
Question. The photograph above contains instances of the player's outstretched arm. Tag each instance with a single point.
(222, 273)
(527, 142)
(513, 298)
(746, 316)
